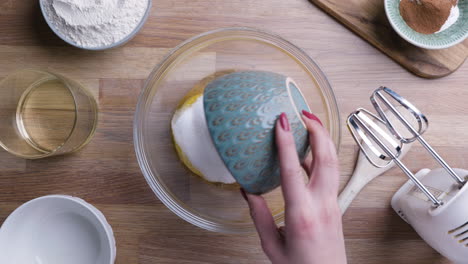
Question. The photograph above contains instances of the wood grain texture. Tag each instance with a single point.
(368, 20)
(106, 173)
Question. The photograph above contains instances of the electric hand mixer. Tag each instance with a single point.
(435, 207)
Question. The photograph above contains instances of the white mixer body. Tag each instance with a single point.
(444, 228)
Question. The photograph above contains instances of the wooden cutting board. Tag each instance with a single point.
(367, 18)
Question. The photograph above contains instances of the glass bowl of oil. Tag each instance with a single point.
(217, 207)
(45, 114)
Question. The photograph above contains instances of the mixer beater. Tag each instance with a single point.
(436, 208)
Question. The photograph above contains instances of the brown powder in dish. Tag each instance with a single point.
(426, 16)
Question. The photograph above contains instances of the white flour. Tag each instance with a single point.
(453, 17)
(94, 23)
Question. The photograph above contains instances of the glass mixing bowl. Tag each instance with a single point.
(215, 207)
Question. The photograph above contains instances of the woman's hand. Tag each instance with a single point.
(313, 231)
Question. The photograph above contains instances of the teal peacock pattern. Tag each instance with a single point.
(241, 110)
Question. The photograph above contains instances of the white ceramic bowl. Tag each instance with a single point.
(57, 229)
(116, 44)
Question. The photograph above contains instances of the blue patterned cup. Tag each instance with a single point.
(241, 110)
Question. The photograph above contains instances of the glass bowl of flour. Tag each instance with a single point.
(95, 24)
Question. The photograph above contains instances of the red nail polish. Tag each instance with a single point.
(242, 191)
(311, 116)
(284, 122)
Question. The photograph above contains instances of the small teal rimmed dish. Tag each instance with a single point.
(453, 35)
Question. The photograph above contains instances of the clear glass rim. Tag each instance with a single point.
(164, 67)
(66, 81)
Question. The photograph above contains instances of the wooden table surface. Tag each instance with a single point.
(106, 172)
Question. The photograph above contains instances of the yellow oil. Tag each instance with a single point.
(46, 115)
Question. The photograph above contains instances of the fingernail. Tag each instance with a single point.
(242, 191)
(284, 122)
(311, 116)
